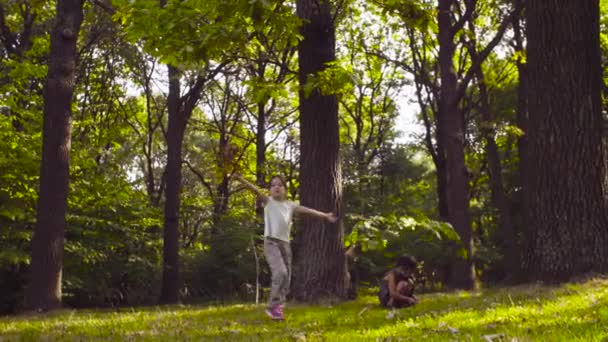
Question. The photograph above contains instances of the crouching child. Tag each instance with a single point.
(397, 286)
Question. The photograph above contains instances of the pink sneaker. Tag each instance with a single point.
(276, 312)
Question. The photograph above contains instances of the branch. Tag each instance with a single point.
(394, 61)
(200, 177)
(281, 130)
(193, 95)
(486, 51)
(105, 6)
(468, 13)
(339, 7)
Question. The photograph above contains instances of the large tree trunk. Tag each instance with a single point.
(44, 287)
(567, 208)
(320, 265)
(451, 133)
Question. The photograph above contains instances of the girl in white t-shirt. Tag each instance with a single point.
(278, 214)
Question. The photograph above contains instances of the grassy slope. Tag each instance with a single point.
(573, 312)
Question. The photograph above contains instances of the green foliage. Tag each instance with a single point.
(18, 189)
(113, 236)
(112, 261)
(375, 233)
(413, 13)
(572, 312)
(335, 79)
(224, 269)
(188, 34)
(382, 239)
(22, 73)
(262, 92)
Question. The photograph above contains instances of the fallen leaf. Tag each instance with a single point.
(453, 330)
(492, 337)
(442, 325)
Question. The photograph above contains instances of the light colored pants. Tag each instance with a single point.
(278, 256)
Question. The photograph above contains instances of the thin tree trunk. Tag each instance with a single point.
(320, 265)
(522, 141)
(220, 204)
(500, 200)
(44, 286)
(257, 272)
(568, 208)
(499, 197)
(426, 107)
(260, 154)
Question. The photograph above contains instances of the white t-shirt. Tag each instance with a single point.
(277, 218)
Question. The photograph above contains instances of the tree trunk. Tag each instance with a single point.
(568, 208)
(220, 204)
(500, 200)
(175, 137)
(522, 141)
(44, 288)
(320, 264)
(437, 152)
(441, 174)
(451, 133)
(499, 197)
(260, 154)
(180, 110)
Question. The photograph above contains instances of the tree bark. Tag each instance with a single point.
(175, 137)
(44, 287)
(522, 141)
(441, 174)
(260, 153)
(220, 204)
(451, 133)
(180, 110)
(320, 264)
(568, 207)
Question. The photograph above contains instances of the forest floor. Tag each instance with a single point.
(570, 312)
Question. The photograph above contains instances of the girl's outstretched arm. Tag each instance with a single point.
(259, 192)
(331, 217)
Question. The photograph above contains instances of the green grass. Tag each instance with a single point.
(572, 312)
